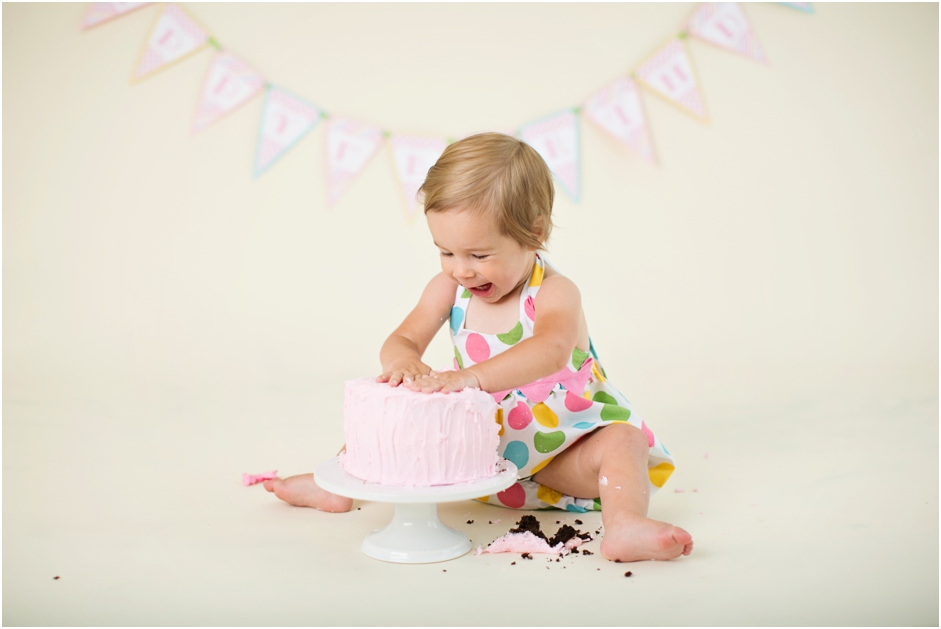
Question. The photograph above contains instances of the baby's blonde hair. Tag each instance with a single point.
(493, 172)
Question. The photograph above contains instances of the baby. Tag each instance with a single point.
(518, 329)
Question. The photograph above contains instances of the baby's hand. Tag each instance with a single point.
(404, 372)
(445, 381)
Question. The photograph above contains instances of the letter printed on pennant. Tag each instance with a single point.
(285, 120)
(724, 24)
(617, 109)
(669, 72)
(414, 156)
(175, 35)
(350, 145)
(230, 83)
(555, 138)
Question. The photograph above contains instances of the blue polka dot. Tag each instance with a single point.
(665, 451)
(457, 318)
(584, 425)
(575, 508)
(517, 453)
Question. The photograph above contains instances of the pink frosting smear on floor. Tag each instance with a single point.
(251, 479)
(526, 542)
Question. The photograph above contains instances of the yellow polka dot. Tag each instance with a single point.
(587, 395)
(499, 418)
(484, 499)
(548, 495)
(659, 474)
(597, 372)
(544, 415)
(536, 279)
(540, 466)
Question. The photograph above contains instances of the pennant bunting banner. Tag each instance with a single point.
(231, 82)
(350, 146)
(556, 139)
(617, 109)
(724, 24)
(174, 36)
(285, 119)
(669, 72)
(414, 156)
(100, 12)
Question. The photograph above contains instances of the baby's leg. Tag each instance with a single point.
(612, 463)
(303, 491)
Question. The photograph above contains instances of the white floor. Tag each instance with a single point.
(824, 513)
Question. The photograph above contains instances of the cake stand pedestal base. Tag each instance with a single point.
(416, 534)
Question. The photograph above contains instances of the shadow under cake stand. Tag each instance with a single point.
(416, 533)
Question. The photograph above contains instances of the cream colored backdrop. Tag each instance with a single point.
(786, 251)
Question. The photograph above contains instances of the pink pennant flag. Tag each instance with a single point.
(100, 12)
(669, 72)
(174, 36)
(556, 139)
(724, 24)
(286, 119)
(414, 156)
(350, 145)
(231, 82)
(617, 109)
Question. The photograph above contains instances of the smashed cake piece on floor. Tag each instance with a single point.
(529, 538)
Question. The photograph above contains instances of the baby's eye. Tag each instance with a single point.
(481, 257)
(445, 254)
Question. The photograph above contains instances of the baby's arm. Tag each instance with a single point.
(401, 353)
(555, 334)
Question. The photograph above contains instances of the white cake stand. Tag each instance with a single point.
(416, 533)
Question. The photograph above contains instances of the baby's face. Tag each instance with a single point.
(491, 265)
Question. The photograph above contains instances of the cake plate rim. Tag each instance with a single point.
(333, 478)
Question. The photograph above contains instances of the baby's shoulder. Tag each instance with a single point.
(557, 288)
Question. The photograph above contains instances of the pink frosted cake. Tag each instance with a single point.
(395, 436)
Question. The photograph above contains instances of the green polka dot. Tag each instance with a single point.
(548, 441)
(597, 504)
(578, 358)
(466, 294)
(604, 398)
(513, 336)
(613, 412)
(460, 361)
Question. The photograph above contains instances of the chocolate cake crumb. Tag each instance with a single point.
(470, 521)
(585, 537)
(628, 573)
(578, 522)
(513, 563)
(531, 524)
(446, 571)
(617, 561)
(557, 522)
(56, 578)
(587, 553)
(526, 556)
(359, 508)
(564, 534)
(575, 551)
(557, 560)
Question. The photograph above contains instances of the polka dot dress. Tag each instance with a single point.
(542, 419)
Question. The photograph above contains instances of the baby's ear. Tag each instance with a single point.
(539, 229)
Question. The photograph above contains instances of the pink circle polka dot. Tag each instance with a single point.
(520, 416)
(513, 497)
(647, 432)
(477, 348)
(529, 306)
(576, 403)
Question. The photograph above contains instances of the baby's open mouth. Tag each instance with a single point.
(482, 289)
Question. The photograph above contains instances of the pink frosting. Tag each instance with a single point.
(395, 436)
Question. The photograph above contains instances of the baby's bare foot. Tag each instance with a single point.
(303, 491)
(636, 538)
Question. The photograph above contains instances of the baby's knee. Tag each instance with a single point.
(625, 437)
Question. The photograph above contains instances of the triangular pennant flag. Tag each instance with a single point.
(100, 12)
(617, 109)
(284, 121)
(350, 145)
(230, 83)
(806, 7)
(724, 24)
(669, 72)
(174, 36)
(556, 139)
(413, 157)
